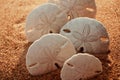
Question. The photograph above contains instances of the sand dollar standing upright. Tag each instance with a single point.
(48, 53)
(47, 18)
(77, 8)
(81, 67)
(87, 35)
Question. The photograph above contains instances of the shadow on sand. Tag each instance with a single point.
(107, 66)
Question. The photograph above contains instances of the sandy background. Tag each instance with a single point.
(13, 43)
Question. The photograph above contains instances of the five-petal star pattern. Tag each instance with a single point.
(84, 39)
(50, 57)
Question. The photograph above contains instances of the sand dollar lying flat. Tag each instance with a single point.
(87, 35)
(81, 66)
(47, 18)
(48, 53)
(77, 8)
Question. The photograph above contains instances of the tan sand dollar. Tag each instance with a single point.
(77, 8)
(48, 53)
(87, 35)
(80, 67)
(47, 18)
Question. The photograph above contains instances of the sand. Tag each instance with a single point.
(14, 45)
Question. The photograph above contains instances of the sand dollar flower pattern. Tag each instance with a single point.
(48, 53)
(47, 18)
(81, 67)
(87, 35)
(84, 39)
(50, 60)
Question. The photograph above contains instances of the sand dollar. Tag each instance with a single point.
(80, 67)
(46, 18)
(77, 8)
(48, 53)
(87, 35)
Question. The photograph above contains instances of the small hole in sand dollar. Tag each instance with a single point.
(104, 39)
(66, 30)
(69, 64)
(57, 65)
(32, 65)
(81, 50)
(50, 31)
(90, 9)
(69, 17)
(30, 30)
